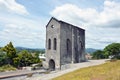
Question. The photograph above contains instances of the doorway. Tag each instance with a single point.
(51, 65)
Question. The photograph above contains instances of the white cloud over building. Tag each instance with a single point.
(100, 25)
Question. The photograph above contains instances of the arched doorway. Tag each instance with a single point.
(51, 65)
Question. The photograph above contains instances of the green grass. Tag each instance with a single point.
(107, 71)
(7, 68)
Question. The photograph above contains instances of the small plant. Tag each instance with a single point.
(33, 68)
(113, 60)
(47, 72)
(2, 70)
(29, 75)
(37, 66)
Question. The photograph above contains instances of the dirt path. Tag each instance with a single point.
(72, 68)
(13, 75)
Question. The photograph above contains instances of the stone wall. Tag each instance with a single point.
(51, 33)
(77, 44)
(70, 43)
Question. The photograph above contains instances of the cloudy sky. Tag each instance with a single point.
(23, 21)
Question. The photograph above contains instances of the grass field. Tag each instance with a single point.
(107, 71)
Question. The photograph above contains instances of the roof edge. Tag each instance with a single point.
(51, 19)
(71, 25)
(63, 22)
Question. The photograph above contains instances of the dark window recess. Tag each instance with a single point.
(68, 45)
(52, 26)
(49, 44)
(55, 44)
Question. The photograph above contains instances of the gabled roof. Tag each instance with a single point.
(60, 21)
(71, 25)
(51, 19)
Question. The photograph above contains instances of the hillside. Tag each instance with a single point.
(87, 50)
(90, 50)
(32, 50)
(107, 71)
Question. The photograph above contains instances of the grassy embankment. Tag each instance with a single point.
(107, 71)
(7, 68)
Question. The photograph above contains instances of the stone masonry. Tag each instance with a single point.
(65, 44)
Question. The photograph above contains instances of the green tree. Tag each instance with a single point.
(2, 58)
(113, 49)
(10, 52)
(98, 55)
(24, 58)
(36, 58)
(16, 61)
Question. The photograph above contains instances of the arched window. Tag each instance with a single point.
(68, 45)
(55, 44)
(49, 43)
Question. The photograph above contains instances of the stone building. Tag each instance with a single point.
(65, 44)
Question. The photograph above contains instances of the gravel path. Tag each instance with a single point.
(72, 68)
(19, 74)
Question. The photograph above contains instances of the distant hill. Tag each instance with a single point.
(24, 48)
(29, 49)
(90, 50)
(32, 50)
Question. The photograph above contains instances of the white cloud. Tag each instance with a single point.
(100, 25)
(74, 14)
(13, 6)
(23, 32)
(110, 13)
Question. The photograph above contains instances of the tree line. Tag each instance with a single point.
(9, 55)
(110, 51)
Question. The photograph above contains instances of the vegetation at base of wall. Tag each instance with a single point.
(108, 71)
(7, 68)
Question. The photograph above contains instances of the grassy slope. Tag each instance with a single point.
(7, 68)
(107, 71)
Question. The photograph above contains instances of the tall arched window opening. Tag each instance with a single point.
(49, 43)
(55, 44)
(68, 45)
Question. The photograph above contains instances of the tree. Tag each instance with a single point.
(113, 50)
(2, 58)
(16, 61)
(24, 58)
(98, 55)
(36, 58)
(10, 52)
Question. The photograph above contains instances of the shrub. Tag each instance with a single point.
(29, 74)
(7, 68)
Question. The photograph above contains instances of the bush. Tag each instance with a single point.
(37, 66)
(29, 74)
(98, 54)
(113, 50)
(113, 60)
(7, 68)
